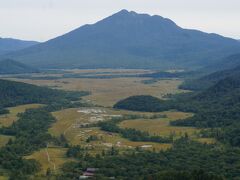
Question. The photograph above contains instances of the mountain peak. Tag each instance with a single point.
(133, 17)
(125, 12)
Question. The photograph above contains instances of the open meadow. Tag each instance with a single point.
(4, 140)
(75, 123)
(107, 91)
(50, 158)
(7, 119)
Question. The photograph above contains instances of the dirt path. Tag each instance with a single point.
(49, 159)
(68, 129)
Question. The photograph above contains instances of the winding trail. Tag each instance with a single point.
(49, 159)
(68, 129)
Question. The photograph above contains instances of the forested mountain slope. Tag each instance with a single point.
(216, 106)
(9, 66)
(211, 79)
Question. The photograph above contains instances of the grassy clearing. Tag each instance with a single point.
(107, 140)
(161, 126)
(4, 140)
(3, 178)
(107, 92)
(56, 155)
(68, 121)
(8, 119)
(206, 140)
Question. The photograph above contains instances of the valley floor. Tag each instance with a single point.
(105, 92)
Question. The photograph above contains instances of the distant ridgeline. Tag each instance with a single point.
(217, 106)
(9, 66)
(129, 40)
(8, 45)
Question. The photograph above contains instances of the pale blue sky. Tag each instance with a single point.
(45, 19)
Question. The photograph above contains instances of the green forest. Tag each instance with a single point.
(31, 129)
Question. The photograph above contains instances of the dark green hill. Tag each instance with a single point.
(216, 106)
(130, 40)
(140, 103)
(16, 93)
(9, 66)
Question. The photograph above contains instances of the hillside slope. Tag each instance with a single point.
(216, 106)
(8, 45)
(212, 78)
(9, 66)
(129, 40)
(16, 93)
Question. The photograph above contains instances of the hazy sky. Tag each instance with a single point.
(45, 19)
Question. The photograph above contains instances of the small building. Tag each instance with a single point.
(90, 172)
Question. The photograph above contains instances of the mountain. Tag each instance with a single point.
(129, 40)
(8, 45)
(9, 66)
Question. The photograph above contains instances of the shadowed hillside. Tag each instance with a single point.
(9, 66)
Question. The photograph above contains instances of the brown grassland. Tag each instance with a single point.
(3, 178)
(4, 140)
(57, 157)
(107, 92)
(161, 126)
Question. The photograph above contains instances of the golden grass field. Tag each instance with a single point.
(3, 178)
(68, 119)
(107, 92)
(57, 158)
(161, 126)
(4, 139)
(8, 119)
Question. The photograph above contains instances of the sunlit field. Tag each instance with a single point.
(52, 158)
(4, 140)
(108, 91)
